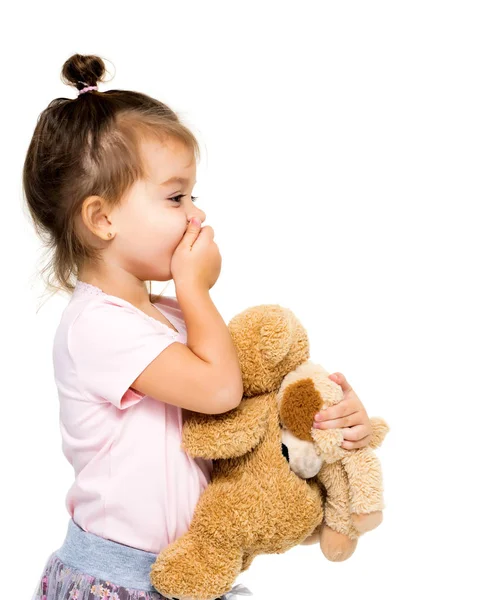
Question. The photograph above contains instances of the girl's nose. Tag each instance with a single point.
(198, 214)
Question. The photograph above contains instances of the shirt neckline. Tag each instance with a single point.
(83, 286)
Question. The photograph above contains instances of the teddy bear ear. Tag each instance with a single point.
(298, 402)
(276, 336)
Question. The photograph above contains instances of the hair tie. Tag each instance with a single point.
(87, 89)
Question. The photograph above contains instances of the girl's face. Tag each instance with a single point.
(152, 218)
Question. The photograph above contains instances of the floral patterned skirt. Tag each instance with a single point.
(61, 582)
(89, 567)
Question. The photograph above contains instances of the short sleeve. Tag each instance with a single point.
(110, 346)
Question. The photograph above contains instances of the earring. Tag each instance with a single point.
(110, 234)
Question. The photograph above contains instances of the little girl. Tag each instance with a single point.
(108, 179)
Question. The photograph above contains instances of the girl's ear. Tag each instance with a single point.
(96, 216)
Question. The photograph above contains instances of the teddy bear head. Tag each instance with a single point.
(270, 343)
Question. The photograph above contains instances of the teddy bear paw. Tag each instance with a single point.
(336, 546)
(175, 571)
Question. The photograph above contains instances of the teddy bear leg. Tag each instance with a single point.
(367, 521)
(247, 560)
(334, 545)
(365, 479)
(313, 538)
(338, 537)
(196, 566)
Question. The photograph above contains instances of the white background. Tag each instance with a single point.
(340, 174)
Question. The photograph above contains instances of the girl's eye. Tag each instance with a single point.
(193, 198)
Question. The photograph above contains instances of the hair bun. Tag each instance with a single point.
(83, 70)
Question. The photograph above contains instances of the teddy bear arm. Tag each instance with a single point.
(328, 443)
(226, 435)
(380, 429)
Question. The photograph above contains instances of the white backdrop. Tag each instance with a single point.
(339, 172)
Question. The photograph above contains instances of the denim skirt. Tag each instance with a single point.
(89, 567)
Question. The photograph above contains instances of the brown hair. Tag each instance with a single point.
(87, 146)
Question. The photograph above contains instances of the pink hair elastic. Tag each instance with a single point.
(87, 89)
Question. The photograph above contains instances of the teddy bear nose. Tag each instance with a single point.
(285, 452)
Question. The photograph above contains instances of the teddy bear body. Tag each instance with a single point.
(292, 507)
(261, 507)
(255, 503)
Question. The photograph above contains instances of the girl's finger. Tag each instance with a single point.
(349, 421)
(347, 445)
(344, 408)
(340, 379)
(355, 434)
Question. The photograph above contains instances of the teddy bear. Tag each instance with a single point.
(255, 503)
(352, 479)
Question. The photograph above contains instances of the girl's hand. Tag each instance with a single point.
(349, 414)
(197, 259)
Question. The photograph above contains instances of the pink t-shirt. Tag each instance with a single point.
(133, 482)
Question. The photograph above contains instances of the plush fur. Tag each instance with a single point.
(255, 502)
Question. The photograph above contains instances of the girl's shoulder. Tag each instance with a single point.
(86, 296)
(86, 301)
(91, 312)
(95, 309)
